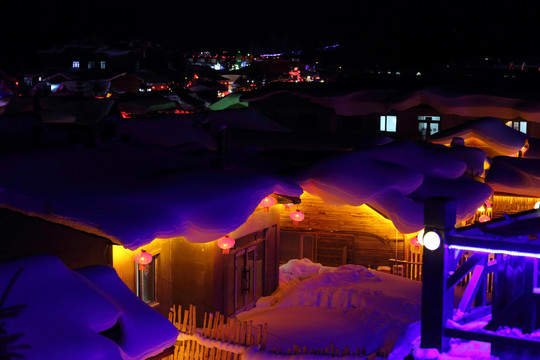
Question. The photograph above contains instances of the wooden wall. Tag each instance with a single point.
(23, 235)
(354, 234)
(511, 204)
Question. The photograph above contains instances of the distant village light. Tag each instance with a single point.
(225, 243)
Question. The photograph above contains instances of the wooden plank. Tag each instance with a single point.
(210, 325)
(184, 322)
(478, 276)
(464, 269)
(265, 331)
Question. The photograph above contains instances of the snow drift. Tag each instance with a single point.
(65, 311)
(353, 306)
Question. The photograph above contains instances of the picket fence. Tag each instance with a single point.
(233, 331)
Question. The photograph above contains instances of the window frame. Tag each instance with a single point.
(521, 125)
(428, 120)
(385, 120)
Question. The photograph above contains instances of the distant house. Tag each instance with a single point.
(402, 114)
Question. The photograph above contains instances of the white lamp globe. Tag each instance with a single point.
(421, 237)
(432, 240)
(537, 205)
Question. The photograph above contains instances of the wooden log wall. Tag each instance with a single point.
(341, 234)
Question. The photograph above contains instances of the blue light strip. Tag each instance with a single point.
(494, 251)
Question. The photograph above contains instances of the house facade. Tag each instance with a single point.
(184, 273)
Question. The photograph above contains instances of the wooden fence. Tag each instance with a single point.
(232, 331)
(244, 334)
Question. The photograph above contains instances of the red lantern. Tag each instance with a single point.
(296, 216)
(226, 243)
(415, 242)
(484, 218)
(143, 258)
(267, 202)
(288, 205)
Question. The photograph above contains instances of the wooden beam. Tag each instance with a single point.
(464, 269)
(478, 276)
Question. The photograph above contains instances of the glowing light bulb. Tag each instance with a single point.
(432, 240)
(421, 237)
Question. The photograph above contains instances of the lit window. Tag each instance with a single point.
(91, 64)
(76, 64)
(388, 123)
(428, 125)
(102, 65)
(146, 281)
(518, 125)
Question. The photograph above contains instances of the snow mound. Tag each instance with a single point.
(347, 306)
(71, 310)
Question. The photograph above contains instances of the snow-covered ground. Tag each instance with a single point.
(353, 306)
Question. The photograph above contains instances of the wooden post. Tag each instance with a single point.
(265, 330)
(529, 310)
(437, 301)
(210, 325)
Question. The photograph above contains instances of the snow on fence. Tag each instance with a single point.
(229, 340)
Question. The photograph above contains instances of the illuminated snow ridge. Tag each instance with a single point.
(494, 251)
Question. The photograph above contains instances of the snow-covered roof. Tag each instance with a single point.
(64, 312)
(395, 179)
(459, 102)
(515, 175)
(134, 194)
(488, 134)
(169, 130)
(246, 118)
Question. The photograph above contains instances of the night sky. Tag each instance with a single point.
(394, 29)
